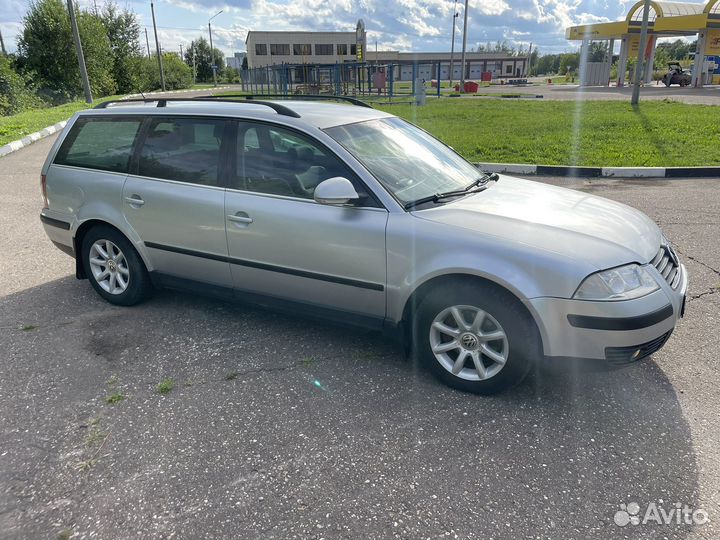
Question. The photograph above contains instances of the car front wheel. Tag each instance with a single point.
(475, 338)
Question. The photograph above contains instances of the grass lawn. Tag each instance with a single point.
(18, 126)
(590, 133)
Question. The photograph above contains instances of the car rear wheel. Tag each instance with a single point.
(114, 267)
(475, 338)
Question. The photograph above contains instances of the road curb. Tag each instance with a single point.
(14, 146)
(602, 172)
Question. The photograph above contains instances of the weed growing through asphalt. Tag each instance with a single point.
(94, 436)
(29, 327)
(231, 376)
(65, 534)
(307, 361)
(165, 386)
(114, 398)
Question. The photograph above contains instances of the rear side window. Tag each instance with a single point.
(100, 143)
(183, 149)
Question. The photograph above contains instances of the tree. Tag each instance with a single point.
(569, 63)
(204, 60)
(47, 53)
(123, 31)
(177, 74)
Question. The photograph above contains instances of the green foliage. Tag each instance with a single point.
(123, 31)
(177, 74)
(47, 52)
(165, 386)
(98, 54)
(16, 95)
(231, 75)
(569, 63)
(199, 49)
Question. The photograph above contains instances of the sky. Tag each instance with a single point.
(404, 25)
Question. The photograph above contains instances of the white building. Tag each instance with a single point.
(302, 48)
(272, 48)
(236, 60)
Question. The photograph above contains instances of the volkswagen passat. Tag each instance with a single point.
(347, 212)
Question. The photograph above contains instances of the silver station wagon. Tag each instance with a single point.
(349, 213)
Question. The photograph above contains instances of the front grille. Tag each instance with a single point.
(666, 262)
(626, 355)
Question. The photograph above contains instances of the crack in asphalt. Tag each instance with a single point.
(712, 290)
(694, 259)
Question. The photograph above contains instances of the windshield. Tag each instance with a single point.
(410, 163)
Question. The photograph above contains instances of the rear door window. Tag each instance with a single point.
(183, 149)
(100, 143)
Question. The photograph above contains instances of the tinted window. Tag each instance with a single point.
(279, 49)
(260, 49)
(100, 143)
(342, 49)
(277, 161)
(183, 149)
(323, 49)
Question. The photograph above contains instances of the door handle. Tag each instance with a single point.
(135, 200)
(240, 217)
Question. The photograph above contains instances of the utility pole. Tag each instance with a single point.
(212, 51)
(192, 46)
(2, 44)
(79, 51)
(147, 42)
(462, 69)
(159, 52)
(181, 54)
(452, 44)
(529, 62)
(637, 76)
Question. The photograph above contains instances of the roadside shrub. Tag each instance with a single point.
(178, 74)
(15, 93)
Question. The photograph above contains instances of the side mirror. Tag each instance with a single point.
(335, 191)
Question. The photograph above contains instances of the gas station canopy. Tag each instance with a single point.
(670, 18)
(666, 19)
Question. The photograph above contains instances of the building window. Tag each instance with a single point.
(323, 49)
(304, 49)
(260, 49)
(342, 49)
(279, 49)
(509, 69)
(353, 49)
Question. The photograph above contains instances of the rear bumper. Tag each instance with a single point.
(615, 332)
(59, 232)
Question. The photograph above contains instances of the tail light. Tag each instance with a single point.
(43, 185)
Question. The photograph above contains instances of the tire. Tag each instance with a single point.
(520, 347)
(131, 284)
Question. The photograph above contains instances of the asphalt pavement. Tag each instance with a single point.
(280, 427)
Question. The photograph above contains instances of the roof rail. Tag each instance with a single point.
(252, 97)
(162, 102)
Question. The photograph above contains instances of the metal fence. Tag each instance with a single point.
(346, 79)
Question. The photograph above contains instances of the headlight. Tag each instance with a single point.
(623, 283)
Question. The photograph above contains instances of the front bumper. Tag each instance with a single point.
(610, 331)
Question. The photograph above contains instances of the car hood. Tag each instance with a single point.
(572, 223)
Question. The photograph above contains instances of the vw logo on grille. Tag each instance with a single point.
(469, 341)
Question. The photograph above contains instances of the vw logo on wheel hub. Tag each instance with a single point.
(469, 341)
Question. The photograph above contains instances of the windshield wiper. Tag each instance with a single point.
(484, 179)
(440, 196)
